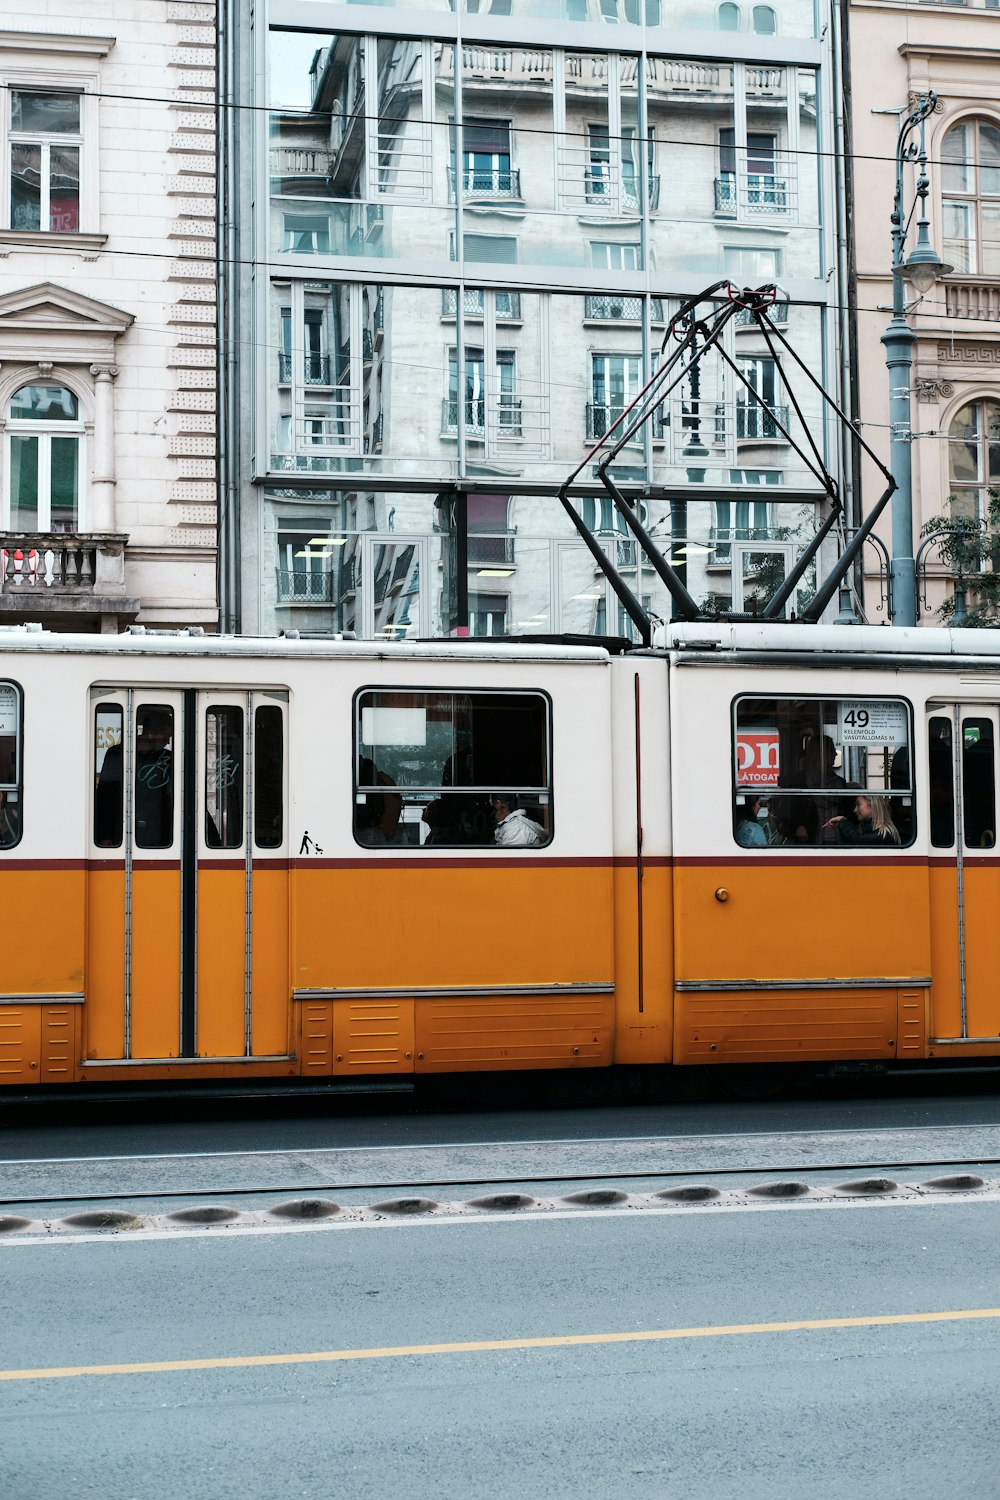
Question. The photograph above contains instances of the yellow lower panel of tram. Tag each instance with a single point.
(424, 926)
(156, 961)
(221, 961)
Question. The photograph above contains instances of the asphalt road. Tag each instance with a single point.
(890, 1409)
(626, 1350)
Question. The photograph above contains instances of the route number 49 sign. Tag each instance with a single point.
(870, 722)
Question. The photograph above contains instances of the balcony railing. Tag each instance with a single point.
(507, 417)
(754, 424)
(312, 587)
(315, 368)
(628, 309)
(373, 439)
(601, 417)
(49, 564)
(777, 312)
(602, 190)
(973, 299)
(481, 183)
(721, 539)
(497, 549)
(762, 194)
(532, 66)
(507, 304)
(301, 161)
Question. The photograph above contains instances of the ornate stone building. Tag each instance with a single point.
(107, 315)
(899, 53)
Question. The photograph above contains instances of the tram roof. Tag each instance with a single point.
(847, 641)
(742, 640)
(32, 638)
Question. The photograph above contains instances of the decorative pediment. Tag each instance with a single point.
(48, 304)
(53, 323)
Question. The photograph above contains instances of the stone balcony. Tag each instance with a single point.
(68, 580)
(969, 298)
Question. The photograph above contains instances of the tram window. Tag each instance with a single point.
(154, 776)
(452, 769)
(223, 777)
(109, 786)
(10, 765)
(941, 782)
(978, 790)
(831, 772)
(268, 755)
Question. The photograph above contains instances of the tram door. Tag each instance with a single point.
(962, 742)
(188, 889)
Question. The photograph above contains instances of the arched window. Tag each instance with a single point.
(44, 459)
(974, 457)
(970, 193)
(729, 17)
(765, 22)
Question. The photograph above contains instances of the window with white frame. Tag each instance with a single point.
(478, 397)
(488, 614)
(742, 520)
(970, 194)
(758, 409)
(615, 382)
(752, 265)
(974, 457)
(44, 460)
(318, 390)
(49, 146)
(44, 141)
(486, 160)
(616, 255)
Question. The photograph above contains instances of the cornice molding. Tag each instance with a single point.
(947, 49)
(56, 41)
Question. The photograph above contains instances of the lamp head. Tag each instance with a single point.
(923, 266)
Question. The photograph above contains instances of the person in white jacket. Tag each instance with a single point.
(514, 828)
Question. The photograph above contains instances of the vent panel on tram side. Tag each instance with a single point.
(802, 915)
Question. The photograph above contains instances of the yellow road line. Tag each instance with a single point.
(487, 1346)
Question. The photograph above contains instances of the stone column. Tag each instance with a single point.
(102, 483)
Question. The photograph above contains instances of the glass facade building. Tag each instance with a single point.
(455, 240)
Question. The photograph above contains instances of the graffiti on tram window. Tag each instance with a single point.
(831, 773)
(10, 765)
(223, 777)
(452, 770)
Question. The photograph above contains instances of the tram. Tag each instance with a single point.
(225, 858)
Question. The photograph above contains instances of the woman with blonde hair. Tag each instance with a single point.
(872, 822)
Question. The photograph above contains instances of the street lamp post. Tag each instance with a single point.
(922, 267)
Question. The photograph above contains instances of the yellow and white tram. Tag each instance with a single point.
(222, 857)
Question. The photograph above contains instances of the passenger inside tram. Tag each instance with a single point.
(833, 773)
(871, 824)
(451, 759)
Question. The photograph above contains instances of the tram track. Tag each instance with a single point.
(569, 1165)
